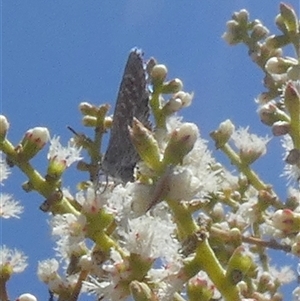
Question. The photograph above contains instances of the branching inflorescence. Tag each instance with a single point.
(186, 228)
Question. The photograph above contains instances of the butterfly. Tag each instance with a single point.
(133, 101)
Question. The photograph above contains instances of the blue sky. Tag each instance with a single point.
(56, 54)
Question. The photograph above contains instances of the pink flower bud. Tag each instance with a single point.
(287, 221)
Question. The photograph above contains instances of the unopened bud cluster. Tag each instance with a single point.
(282, 72)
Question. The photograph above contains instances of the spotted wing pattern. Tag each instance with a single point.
(133, 97)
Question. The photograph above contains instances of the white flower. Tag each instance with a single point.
(247, 212)
(15, 259)
(195, 177)
(250, 146)
(4, 169)
(169, 279)
(70, 245)
(47, 270)
(183, 185)
(61, 285)
(9, 207)
(91, 201)
(103, 289)
(283, 274)
(198, 162)
(68, 224)
(48, 273)
(205, 281)
(151, 237)
(71, 232)
(109, 287)
(119, 202)
(68, 155)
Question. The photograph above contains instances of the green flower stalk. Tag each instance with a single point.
(185, 226)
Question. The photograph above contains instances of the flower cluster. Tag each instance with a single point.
(11, 261)
(186, 228)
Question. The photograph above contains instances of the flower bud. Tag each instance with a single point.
(173, 86)
(259, 32)
(269, 114)
(172, 106)
(232, 36)
(281, 25)
(88, 109)
(89, 121)
(286, 221)
(179, 100)
(108, 122)
(181, 143)
(235, 235)
(292, 100)
(242, 16)
(199, 289)
(223, 133)
(293, 73)
(280, 128)
(279, 65)
(289, 18)
(263, 98)
(186, 98)
(26, 297)
(274, 42)
(145, 144)
(4, 126)
(33, 141)
(158, 74)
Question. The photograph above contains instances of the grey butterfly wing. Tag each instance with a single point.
(132, 101)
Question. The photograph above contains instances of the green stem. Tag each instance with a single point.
(159, 118)
(252, 177)
(183, 218)
(206, 260)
